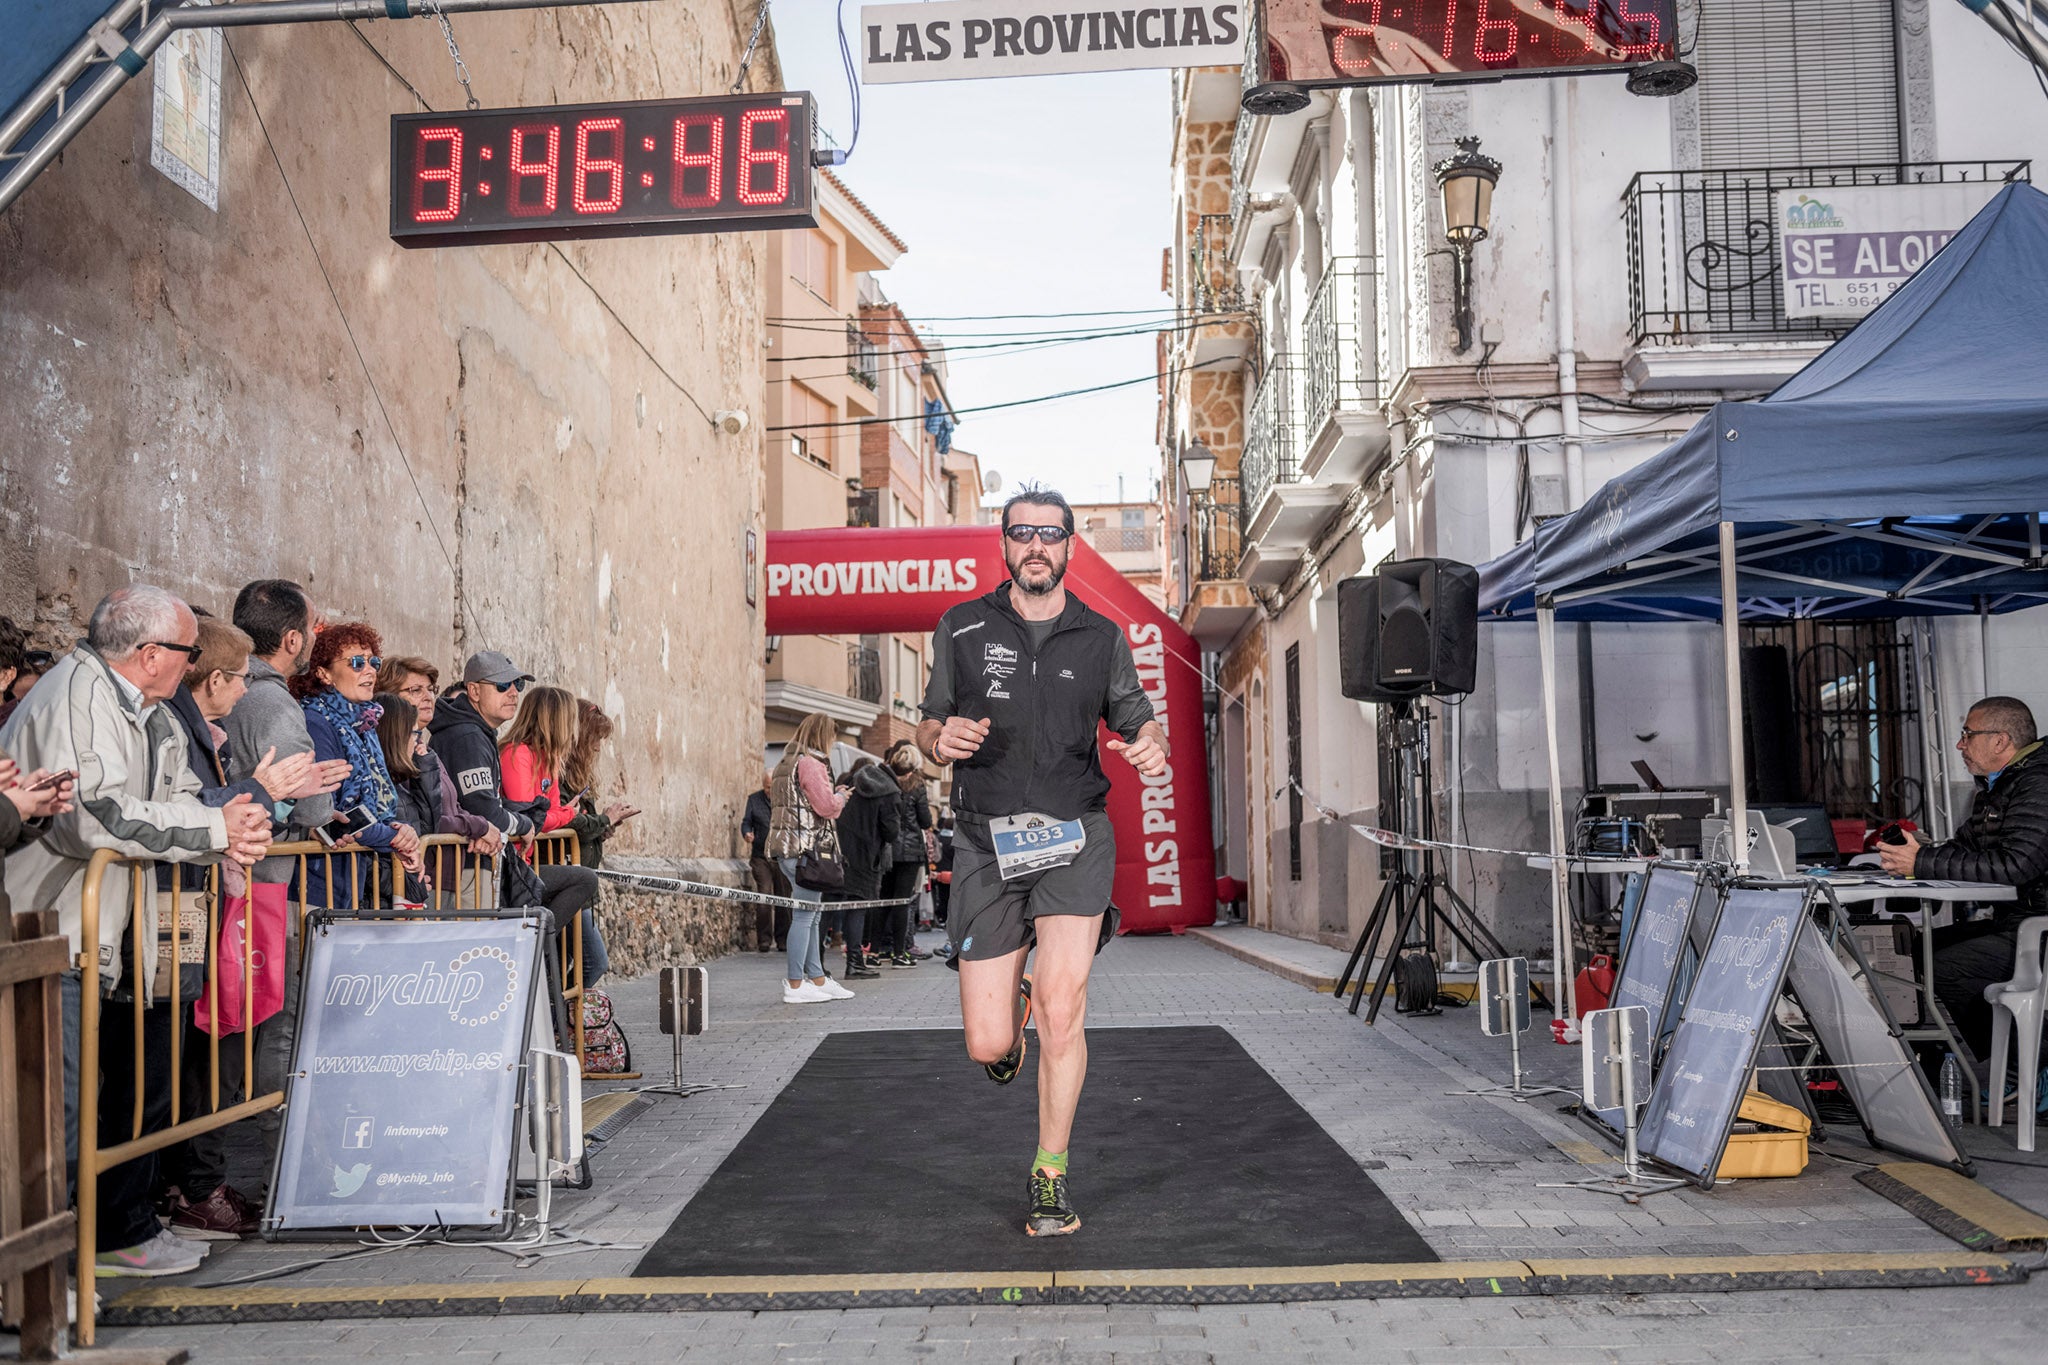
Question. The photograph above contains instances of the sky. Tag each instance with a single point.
(1043, 194)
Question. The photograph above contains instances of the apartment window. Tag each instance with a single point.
(813, 263)
(1792, 83)
(1294, 779)
(812, 416)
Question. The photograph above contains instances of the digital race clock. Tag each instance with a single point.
(714, 164)
(1357, 42)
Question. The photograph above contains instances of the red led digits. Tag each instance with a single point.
(589, 167)
(775, 154)
(1645, 25)
(1497, 30)
(710, 159)
(545, 169)
(448, 176)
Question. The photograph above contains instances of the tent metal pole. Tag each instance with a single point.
(1731, 665)
(1560, 892)
(131, 59)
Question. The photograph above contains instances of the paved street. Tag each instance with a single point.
(1463, 1170)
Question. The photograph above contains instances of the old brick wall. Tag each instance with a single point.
(519, 458)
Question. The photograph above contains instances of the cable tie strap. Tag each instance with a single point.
(397, 9)
(109, 40)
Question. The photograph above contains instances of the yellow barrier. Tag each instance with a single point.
(95, 1160)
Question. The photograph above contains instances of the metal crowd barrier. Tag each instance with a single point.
(37, 1231)
(443, 853)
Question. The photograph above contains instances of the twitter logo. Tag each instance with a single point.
(349, 1181)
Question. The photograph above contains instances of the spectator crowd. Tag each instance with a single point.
(198, 743)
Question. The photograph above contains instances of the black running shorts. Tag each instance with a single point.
(988, 917)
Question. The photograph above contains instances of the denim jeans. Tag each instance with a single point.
(806, 958)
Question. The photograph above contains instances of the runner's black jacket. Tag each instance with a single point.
(1040, 754)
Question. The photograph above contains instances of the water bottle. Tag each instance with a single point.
(1951, 1090)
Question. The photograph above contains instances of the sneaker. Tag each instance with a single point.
(161, 1255)
(222, 1215)
(902, 960)
(1051, 1215)
(833, 990)
(803, 993)
(855, 970)
(1004, 1069)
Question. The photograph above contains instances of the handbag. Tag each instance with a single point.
(253, 924)
(820, 867)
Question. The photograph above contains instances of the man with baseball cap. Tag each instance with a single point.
(465, 736)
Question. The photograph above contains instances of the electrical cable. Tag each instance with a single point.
(1055, 339)
(348, 330)
(1017, 402)
(852, 79)
(1030, 317)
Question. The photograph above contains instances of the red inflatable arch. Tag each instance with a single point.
(861, 580)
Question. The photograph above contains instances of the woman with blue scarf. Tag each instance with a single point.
(335, 691)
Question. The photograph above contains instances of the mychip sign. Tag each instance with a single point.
(404, 1091)
(952, 40)
(1846, 249)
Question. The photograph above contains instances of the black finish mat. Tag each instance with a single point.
(892, 1153)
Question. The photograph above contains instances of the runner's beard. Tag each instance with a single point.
(1058, 572)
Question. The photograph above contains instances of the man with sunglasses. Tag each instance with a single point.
(465, 736)
(100, 714)
(1021, 681)
(2005, 840)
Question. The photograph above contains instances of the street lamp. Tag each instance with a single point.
(1466, 182)
(1197, 468)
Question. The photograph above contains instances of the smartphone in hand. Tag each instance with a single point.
(49, 780)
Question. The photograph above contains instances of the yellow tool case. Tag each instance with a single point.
(1769, 1140)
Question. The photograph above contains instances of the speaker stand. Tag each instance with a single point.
(1413, 892)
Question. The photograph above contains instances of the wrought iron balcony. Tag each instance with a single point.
(1703, 246)
(864, 674)
(1272, 435)
(1216, 530)
(1343, 429)
(862, 356)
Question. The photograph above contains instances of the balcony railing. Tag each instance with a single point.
(1272, 436)
(1216, 526)
(864, 674)
(1340, 365)
(862, 356)
(1121, 540)
(1703, 245)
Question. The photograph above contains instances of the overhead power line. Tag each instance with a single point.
(1015, 402)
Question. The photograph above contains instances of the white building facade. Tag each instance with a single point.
(1628, 282)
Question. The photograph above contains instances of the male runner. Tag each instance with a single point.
(1020, 680)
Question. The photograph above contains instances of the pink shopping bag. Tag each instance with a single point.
(263, 929)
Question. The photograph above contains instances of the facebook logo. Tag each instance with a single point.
(356, 1132)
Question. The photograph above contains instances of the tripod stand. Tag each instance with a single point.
(1413, 892)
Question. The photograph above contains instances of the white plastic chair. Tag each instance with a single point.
(2019, 1003)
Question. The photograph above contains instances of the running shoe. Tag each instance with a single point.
(1051, 1214)
(1004, 1070)
(163, 1254)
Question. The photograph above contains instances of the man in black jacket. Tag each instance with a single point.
(1021, 680)
(2005, 840)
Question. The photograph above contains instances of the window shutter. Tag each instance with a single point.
(1797, 82)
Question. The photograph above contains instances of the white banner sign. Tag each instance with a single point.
(1846, 249)
(952, 40)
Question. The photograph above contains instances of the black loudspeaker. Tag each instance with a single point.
(1409, 630)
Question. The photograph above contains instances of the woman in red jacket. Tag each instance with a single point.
(532, 756)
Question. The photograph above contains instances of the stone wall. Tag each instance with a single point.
(504, 447)
(645, 931)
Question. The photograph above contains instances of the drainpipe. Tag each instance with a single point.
(1567, 310)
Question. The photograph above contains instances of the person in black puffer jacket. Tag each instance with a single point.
(905, 875)
(2005, 840)
(867, 841)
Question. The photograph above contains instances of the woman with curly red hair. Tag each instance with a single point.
(334, 690)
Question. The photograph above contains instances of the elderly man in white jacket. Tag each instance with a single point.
(98, 714)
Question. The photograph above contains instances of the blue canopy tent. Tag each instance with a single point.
(1898, 474)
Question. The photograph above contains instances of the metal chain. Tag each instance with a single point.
(461, 67)
(747, 57)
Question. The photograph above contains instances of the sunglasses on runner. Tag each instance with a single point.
(1047, 535)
